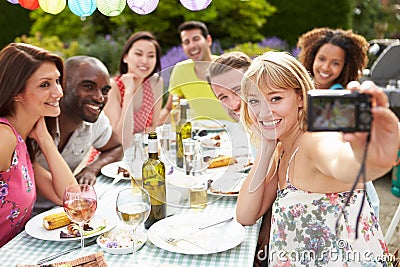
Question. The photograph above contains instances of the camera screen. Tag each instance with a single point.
(332, 113)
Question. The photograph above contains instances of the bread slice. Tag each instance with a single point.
(221, 161)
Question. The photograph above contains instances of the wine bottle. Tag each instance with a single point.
(174, 112)
(136, 160)
(153, 175)
(183, 131)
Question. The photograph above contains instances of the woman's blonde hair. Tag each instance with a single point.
(276, 70)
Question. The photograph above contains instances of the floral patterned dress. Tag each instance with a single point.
(17, 191)
(308, 229)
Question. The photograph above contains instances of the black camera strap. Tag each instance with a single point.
(361, 173)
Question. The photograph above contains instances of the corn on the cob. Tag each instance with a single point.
(54, 221)
(222, 161)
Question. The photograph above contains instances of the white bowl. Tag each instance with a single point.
(119, 240)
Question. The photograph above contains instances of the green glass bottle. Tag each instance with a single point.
(153, 175)
(174, 114)
(183, 131)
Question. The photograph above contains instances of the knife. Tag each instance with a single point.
(55, 256)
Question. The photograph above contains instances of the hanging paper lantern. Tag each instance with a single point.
(53, 6)
(14, 2)
(111, 8)
(195, 5)
(143, 7)
(29, 4)
(82, 8)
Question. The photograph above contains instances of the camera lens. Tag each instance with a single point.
(365, 118)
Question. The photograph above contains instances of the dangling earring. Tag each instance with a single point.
(300, 117)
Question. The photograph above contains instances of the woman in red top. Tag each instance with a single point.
(137, 91)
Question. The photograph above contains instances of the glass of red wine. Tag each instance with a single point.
(80, 203)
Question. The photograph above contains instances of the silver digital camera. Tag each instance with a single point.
(338, 111)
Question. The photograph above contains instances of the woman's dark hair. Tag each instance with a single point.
(143, 35)
(18, 61)
(355, 47)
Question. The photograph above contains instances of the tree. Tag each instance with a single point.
(231, 22)
(372, 20)
(67, 26)
(14, 21)
(296, 17)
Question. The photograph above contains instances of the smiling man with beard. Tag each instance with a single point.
(82, 124)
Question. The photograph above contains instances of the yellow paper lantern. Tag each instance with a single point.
(111, 8)
(53, 6)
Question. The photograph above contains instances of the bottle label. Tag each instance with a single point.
(153, 146)
(156, 190)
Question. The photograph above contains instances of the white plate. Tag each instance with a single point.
(211, 240)
(121, 234)
(210, 142)
(34, 227)
(209, 125)
(179, 179)
(225, 182)
(240, 166)
(111, 170)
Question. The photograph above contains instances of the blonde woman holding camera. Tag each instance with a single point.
(307, 177)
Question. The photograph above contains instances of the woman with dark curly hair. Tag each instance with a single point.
(334, 57)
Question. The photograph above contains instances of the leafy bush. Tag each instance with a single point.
(52, 44)
(251, 49)
(105, 48)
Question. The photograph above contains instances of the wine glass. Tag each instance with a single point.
(133, 208)
(80, 203)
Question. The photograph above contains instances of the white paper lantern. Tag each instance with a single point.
(195, 5)
(142, 7)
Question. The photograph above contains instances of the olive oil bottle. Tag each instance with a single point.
(153, 175)
(183, 131)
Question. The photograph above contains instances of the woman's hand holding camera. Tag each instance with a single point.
(384, 128)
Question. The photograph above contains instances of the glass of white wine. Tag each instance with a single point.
(133, 208)
(80, 204)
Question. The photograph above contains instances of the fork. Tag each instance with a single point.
(173, 240)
